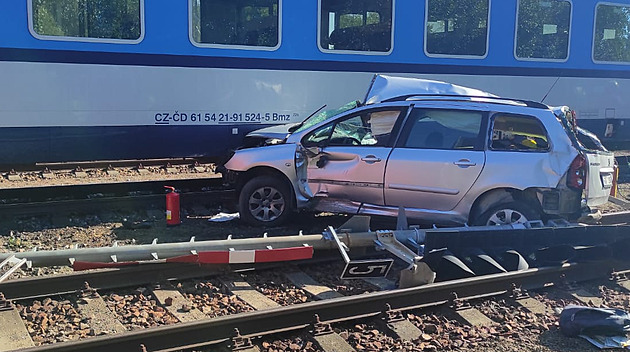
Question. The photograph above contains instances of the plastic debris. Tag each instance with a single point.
(224, 217)
(603, 327)
(603, 342)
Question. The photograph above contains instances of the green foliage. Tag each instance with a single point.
(14, 244)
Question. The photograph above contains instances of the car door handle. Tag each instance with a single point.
(370, 159)
(464, 163)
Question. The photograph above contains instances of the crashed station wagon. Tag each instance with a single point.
(446, 154)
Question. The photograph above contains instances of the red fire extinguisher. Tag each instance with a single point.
(172, 207)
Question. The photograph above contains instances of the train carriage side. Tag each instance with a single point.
(186, 79)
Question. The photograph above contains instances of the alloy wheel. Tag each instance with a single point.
(266, 204)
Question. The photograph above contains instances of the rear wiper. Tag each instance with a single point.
(295, 127)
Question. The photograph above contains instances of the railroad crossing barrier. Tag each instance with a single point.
(430, 254)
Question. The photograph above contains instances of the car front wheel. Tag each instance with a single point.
(264, 200)
(508, 213)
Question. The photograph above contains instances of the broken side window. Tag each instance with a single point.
(518, 133)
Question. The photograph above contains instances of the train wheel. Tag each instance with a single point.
(508, 213)
(265, 201)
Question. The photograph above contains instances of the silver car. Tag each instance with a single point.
(447, 154)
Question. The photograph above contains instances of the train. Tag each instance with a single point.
(84, 80)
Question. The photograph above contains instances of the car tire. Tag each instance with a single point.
(507, 213)
(265, 201)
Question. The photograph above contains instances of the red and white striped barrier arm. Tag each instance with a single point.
(216, 257)
(246, 256)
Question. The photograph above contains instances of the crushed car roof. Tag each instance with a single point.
(385, 87)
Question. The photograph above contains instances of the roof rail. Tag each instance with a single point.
(469, 98)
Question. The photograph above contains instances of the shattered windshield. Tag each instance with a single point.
(326, 114)
(581, 138)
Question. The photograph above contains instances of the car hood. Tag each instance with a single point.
(385, 87)
(272, 132)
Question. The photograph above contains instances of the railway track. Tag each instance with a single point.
(240, 309)
(31, 201)
(392, 312)
(99, 197)
(111, 165)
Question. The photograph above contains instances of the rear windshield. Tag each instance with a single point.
(582, 139)
(589, 140)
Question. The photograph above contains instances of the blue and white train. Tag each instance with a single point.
(136, 79)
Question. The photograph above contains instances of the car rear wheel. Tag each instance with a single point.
(508, 213)
(264, 200)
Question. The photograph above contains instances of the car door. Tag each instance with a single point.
(346, 159)
(437, 159)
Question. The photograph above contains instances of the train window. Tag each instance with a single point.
(87, 20)
(542, 29)
(611, 42)
(457, 28)
(359, 25)
(250, 24)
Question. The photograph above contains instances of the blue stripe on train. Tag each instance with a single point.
(27, 145)
(108, 58)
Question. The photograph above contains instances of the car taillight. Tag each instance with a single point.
(577, 173)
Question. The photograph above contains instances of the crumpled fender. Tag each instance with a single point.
(280, 157)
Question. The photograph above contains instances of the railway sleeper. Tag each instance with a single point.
(463, 311)
(621, 279)
(328, 339)
(175, 303)
(521, 297)
(14, 333)
(397, 325)
(243, 290)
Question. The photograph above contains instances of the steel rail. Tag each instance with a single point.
(221, 329)
(101, 164)
(120, 202)
(97, 197)
(144, 274)
(98, 190)
(104, 279)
